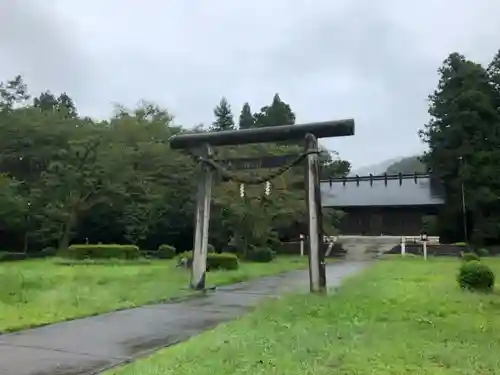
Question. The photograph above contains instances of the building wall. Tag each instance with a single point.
(375, 221)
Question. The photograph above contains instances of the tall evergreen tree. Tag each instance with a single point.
(494, 75)
(463, 137)
(223, 117)
(278, 113)
(246, 118)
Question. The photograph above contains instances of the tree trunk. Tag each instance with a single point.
(66, 234)
(25, 242)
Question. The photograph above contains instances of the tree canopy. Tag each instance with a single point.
(276, 114)
(223, 117)
(246, 118)
(65, 178)
(463, 137)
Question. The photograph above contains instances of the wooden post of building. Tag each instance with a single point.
(317, 273)
(200, 250)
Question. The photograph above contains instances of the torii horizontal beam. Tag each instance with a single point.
(325, 129)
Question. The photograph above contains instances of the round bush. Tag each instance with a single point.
(475, 275)
(468, 257)
(49, 251)
(210, 248)
(166, 252)
(483, 252)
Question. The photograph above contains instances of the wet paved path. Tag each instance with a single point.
(88, 345)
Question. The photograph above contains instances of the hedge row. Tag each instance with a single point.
(10, 257)
(132, 252)
(6, 256)
(101, 251)
(215, 261)
(169, 252)
(98, 251)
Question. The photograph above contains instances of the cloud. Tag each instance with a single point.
(373, 61)
(38, 44)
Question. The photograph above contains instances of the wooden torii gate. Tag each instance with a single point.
(203, 142)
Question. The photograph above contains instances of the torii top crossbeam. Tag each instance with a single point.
(325, 129)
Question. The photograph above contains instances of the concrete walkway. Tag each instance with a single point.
(90, 345)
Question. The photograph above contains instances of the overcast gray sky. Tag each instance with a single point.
(374, 61)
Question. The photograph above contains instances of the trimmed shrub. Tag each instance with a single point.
(166, 252)
(222, 261)
(483, 252)
(48, 252)
(215, 261)
(210, 248)
(261, 255)
(11, 257)
(476, 276)
(102, 262)
(468, 257)
(149, 254)
(100, 251)
(411, 256)
(185, 254)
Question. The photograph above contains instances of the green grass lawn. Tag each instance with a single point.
(37, 292)
(399, 317)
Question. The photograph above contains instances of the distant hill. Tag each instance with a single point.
(374, 169)
(410, 164)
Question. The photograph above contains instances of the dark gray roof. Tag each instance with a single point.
(409, 190)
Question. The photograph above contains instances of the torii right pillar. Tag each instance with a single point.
(317, 267)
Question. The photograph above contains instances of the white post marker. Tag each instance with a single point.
(424, 238)
(301, 245)
(403, 246)
(331, 242)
